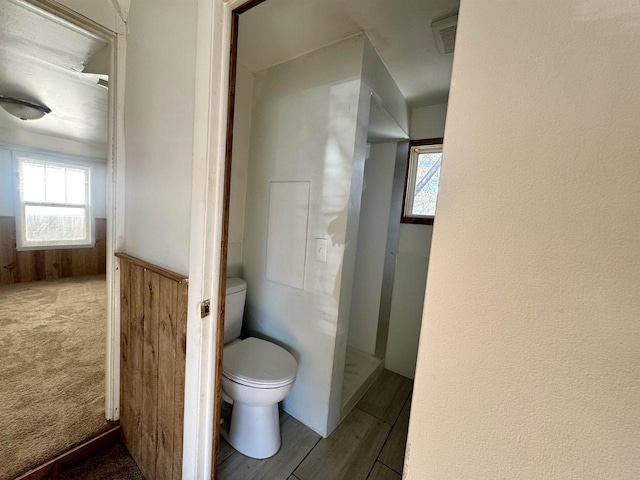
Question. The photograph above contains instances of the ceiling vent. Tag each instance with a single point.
(444, 31)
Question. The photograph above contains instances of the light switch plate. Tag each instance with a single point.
(321, 249)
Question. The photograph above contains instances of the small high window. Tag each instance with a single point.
(54, 207)
(423, 177)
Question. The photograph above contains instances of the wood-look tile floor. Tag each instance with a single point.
(368, 445)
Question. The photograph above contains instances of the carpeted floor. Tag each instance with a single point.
(52, 344)
(109, 464)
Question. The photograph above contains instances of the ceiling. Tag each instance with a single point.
(400, 30)
(41, 60)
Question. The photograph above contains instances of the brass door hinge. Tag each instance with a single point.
(205, 308)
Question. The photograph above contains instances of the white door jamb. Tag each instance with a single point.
(210, 130)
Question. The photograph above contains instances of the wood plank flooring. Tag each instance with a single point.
(368, 445)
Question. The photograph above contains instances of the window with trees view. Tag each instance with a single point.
(54, 207)
(423, 177)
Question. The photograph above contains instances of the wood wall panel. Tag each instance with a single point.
(153, 350)
(167, 348)
(35, 265)
(150, 376)
(179, 380)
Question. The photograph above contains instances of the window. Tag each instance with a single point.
(54, 207)
(423, 177)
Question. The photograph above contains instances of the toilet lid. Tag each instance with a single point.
(258, 363)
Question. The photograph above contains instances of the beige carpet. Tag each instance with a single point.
(52, 343)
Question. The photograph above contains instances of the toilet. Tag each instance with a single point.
(256, 376)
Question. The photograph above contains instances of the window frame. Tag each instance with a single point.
(22, 244)
(413, 219)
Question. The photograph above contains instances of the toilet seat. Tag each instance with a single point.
(259, 364)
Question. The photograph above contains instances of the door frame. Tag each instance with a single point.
(115, 186)
(213, 127)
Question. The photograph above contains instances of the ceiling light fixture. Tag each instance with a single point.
(22, 109)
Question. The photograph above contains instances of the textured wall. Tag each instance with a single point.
(529, 364)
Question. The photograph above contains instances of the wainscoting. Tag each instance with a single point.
(153, 347)
(35, 265)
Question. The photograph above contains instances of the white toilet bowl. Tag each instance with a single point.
(256, 376)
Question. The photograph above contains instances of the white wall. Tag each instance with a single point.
(376, 76)
(103, 12)
(304, 124)
(428, 122)
(529, 365)
(8, 186)
(159, 112)
(239, 166)
(412, 262)
(99, 189)
(21, 138)
(7, 193)
(372, 225)
(372, 244)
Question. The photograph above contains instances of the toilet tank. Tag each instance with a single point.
(234, 308)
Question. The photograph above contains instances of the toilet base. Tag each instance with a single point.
(254, 430)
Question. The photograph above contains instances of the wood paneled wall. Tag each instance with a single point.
(33, 265)
(152, 366)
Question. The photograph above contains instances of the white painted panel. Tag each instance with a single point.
(287, 232)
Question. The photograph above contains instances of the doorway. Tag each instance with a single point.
(59, 229)
(252, 74)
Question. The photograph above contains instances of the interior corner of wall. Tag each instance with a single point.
(367, 41)
(121, 13)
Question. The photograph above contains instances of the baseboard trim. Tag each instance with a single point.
(76, 455)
